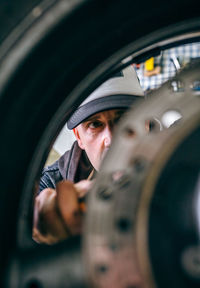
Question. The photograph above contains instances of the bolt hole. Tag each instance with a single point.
(170, 117)
(124, 225)
(114, 247)
(121, 179)
(153, 125)
(105, 193)
(129, 132)
(101, 269)
(139, 164)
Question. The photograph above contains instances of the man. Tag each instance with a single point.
(58, 208)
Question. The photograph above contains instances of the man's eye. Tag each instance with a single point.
(95, 124)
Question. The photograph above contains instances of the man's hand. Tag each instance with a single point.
(58, 213)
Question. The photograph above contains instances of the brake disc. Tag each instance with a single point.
(142, 225)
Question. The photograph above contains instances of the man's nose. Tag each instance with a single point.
(107, 136)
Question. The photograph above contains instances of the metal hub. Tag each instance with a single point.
(136, 231)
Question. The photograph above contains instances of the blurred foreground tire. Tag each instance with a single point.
(52, 54)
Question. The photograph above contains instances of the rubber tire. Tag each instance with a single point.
(37, 83)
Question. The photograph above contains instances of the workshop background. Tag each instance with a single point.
(152, 74)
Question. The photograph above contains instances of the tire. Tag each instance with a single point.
(51, 57)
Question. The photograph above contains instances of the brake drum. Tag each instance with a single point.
(143, 220)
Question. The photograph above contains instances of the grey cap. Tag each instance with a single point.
(119, 92)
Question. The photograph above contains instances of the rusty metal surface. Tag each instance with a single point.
(116, 229)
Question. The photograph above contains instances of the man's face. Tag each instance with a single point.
(95, 134)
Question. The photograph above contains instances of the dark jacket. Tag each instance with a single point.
(73, 165)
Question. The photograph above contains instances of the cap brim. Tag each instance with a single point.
(101, 104)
